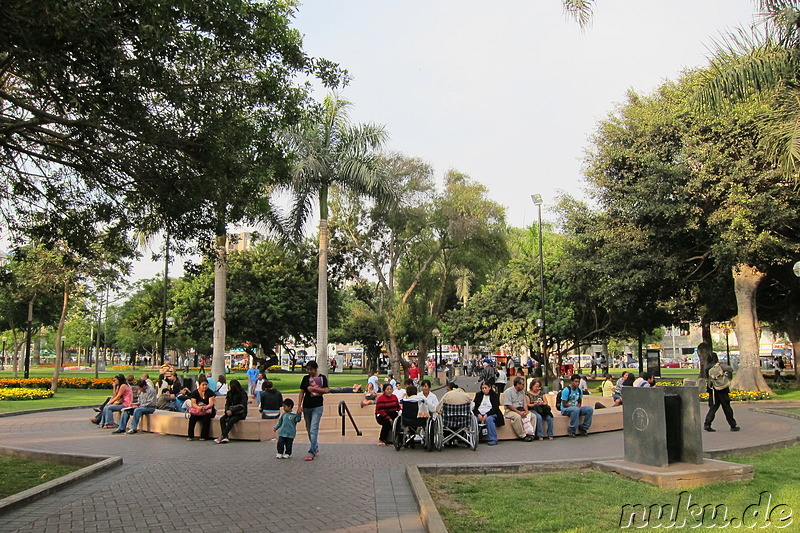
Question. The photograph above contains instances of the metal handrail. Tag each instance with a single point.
(344, 409)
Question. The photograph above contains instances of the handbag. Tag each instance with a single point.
(237, 409)
(527, 426)
(200, 410)
(543, 410)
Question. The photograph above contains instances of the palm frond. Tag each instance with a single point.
(580, 11)
(781, 131)
(743, 66)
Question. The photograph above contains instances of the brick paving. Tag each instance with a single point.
(168, 484)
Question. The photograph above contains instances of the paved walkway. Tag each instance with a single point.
(170, 485)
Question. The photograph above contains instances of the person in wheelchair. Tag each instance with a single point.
(413, 424)
(487, 411)
(453, 396)
(456, 423)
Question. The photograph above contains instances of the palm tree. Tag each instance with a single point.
(764, 61)
(332, 152)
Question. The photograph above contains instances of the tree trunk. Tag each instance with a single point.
(705, 333)
(220, 301)
(395, 366)
(322, 298)
(16, 353)
(746, 279)
(59, 345)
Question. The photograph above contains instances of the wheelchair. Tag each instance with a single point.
(456, 425)
(410, 429)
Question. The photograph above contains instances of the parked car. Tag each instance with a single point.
(671, 363)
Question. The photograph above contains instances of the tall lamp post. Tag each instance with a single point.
(537, 201)
(164, 301)
(436, 334)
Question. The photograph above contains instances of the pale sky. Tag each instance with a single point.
(508, 91)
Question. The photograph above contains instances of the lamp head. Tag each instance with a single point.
(537, 199)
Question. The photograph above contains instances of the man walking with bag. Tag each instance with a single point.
(718, 387)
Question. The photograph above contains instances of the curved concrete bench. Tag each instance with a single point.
(254, 428)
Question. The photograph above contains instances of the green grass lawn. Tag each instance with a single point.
(17, 475)
(62, 398)
(286, 382)
(584, 502)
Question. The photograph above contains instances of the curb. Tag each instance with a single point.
(428, 512)
(47, 409)
(92, 466)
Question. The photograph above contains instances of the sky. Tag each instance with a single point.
(508, 92)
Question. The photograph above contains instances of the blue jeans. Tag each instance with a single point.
(491, 428)
(107, 416)
(576, 412)
(540, 425)
(178, 405)
(137, 415)
(313, 415)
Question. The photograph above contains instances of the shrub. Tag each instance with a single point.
(742, 395)
(24, 394)
(67, 383)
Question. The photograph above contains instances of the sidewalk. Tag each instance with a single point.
(170, 485)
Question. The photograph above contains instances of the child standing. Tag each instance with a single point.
(287, 429)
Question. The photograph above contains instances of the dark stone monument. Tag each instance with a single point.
(662, 425)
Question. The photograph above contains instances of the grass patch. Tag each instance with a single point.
(62, 398)
(584, 502)
(17, 474)
(786, 394)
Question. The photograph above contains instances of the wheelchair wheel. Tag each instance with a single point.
(397, 433)
(430, 429)
(437, 432)
(474, 434)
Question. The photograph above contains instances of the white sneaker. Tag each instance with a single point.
(287, 456)
(278, 456)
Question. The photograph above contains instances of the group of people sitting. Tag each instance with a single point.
(528, 412)
(138, 398)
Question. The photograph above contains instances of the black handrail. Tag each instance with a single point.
(344, 409)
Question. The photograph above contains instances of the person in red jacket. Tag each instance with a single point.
(414, 373)
(386, 408)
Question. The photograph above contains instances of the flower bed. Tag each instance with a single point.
(742, 395)
(24, 394)
(67, 383)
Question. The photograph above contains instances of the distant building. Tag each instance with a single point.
(4, 257)
(240, 242)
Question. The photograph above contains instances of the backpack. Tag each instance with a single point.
(718, 377)
(558, 399)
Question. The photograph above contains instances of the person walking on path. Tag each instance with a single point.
(310, 404)
(252, 378)
(719, 380)
(287, 430)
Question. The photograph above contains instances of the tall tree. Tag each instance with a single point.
(331, 152)
(705, 197)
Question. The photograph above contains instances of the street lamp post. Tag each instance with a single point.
(164, 302)
(436, 334)
(28, 335)
(537, 201)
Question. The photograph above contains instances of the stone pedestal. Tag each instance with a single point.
(662, 425)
